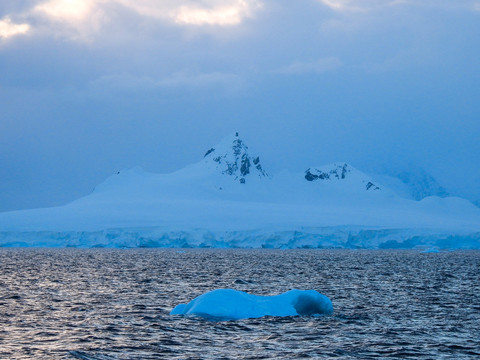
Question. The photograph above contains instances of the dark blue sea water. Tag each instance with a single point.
(114, 304)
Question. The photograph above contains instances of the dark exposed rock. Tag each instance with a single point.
(237, 147)
(231, 168)
(234, 159)
(371, 186)
(245, 167)
(258, 166)
(209, 152)
(337, 172)
(309, 176)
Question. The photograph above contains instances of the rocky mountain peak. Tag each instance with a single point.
(339, 172)
(231, 157)
(335, 172)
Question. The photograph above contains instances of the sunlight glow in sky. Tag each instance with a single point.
(67, 10)
(9, 29)
(221, 15)
(209, 12)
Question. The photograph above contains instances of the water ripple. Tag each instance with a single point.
(114, 304)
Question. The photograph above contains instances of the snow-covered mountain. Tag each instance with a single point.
(414, 183)
(231, 157)
(346, 174)
(228, 200)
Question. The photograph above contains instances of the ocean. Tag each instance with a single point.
(115, 304)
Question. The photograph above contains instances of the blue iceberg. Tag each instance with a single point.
(229, 304)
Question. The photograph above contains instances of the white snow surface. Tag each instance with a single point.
(229, 304)
(207, 204)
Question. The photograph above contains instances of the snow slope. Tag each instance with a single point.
(414, 183)
(228, 200)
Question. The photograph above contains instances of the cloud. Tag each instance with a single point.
(226, 64)
(354, 5)
(185, 12)
(200, 80)
(316, 67)
(232, 14)
(87, 20)
(67, 10)
(79, 13)
(127, 82)
(9, 29)
(79, 20)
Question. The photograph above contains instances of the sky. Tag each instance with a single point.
(91, 87)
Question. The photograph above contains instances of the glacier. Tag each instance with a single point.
(228, 199)
(229, 304)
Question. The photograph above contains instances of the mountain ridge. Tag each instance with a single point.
(207, 203)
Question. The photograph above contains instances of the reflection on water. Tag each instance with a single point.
(116, 303)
